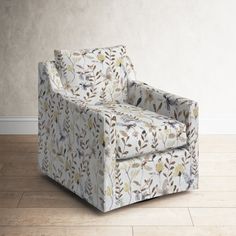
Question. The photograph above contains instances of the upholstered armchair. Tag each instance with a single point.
(109, 138)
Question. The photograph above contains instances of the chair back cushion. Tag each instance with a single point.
(96, 76)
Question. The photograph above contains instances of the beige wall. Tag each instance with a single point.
(184, 46)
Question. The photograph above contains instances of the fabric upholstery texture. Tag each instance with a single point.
(140, 131)
(130, 145)
(94, 75)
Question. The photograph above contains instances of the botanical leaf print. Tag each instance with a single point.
(153, 178)
(95, 75)
(113, 147)
(141, 131)
(175, 107)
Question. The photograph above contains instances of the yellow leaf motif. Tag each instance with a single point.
(70, 68)
(109, 191)
(45, 106)
(159, 167)
(195, 112)
(179, 169)
(55, 115)
(126, 187)
(90, 123)
(77, 177)
(67, 165)
(101, 57)
(101, 139)
(119, 61)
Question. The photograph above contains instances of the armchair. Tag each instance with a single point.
(109, 138)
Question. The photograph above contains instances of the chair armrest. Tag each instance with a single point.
(170, 105)
(63, 103)
(81, 135)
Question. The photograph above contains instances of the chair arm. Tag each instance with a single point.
(173, 106)
(63, 104)
(83, 134)
(97, 123)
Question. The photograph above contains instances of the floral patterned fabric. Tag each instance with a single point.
(182, 109)
(94, 75)
(152, 175)
(140, 131)
(79, 142)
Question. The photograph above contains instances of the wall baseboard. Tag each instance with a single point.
(19, 125)
(29, 125)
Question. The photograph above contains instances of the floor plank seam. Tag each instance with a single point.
(20, 200)
(190, 216)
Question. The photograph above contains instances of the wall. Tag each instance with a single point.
(183, 46)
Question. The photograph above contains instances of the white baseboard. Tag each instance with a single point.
(18, 125)
(29, 125)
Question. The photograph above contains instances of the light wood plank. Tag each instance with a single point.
(18, 138)
(217, 184)
(214, 216)
(19, 147)
(217, 164)
(21, 168)
(66, 199)
(42, 183)
(97, 231)
(192, 199)
(87, 216)
(28, 184)
(9, 157)
(211, 156)
(184, 231)
(9, 199)
(66, 231)
(32, 231)
(19, 164)
(217, 143)
(62, 199)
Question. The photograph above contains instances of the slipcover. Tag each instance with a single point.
(84, 123)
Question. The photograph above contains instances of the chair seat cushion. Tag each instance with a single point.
(142, 131)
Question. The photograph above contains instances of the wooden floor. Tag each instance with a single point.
(32, 204)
